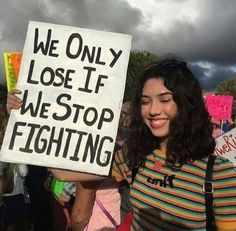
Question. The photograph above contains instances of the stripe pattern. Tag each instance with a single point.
(173, 199)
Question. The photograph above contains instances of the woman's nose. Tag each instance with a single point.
(155, 109)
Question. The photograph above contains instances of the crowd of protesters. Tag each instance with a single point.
(166, 118)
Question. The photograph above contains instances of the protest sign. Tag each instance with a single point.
(9, 71)
(16, 61)
(226, 146)
(72, 82)
(219, 106)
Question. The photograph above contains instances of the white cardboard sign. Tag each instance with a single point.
(72, 82)
(226, 146)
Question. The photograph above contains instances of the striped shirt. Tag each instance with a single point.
(165, 198)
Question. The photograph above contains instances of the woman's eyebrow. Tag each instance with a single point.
(160, 94)
(165, 93)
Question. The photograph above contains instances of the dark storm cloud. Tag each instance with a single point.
(209, 77)
(212, 37)
(116, 16)
(216, 32)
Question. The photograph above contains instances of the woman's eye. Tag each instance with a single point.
(144, 102)
(165, 100)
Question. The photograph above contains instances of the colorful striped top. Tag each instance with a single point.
(165, 198)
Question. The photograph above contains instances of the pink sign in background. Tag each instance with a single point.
(219, 106)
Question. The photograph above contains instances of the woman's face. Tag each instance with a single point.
(157, 107)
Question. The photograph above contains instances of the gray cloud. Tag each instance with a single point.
(217, 74)
(211, 38)
(117, 16)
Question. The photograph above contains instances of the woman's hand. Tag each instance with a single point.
(13, 101)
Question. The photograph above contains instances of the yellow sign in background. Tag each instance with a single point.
(12, 62)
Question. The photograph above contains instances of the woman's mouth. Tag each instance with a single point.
(158, 123)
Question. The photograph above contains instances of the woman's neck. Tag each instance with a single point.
(163, 144)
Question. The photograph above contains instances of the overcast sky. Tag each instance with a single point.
(203, 32)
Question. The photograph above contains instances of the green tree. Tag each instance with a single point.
(227, 87)
(138, 60)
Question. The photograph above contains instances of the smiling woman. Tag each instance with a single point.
(171, 140)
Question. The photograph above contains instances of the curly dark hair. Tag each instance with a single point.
(190, 135)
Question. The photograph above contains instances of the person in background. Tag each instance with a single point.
(124, 124)
(3, 123)
(169, 147)
(40, 207)
(216, 128)
(225, 126)
(40, 210)
(1, 195)
(93, 201)
(78, 205)
(15, 212)
(63, 194)
(122, 141)
(83, 205)
(15, 205)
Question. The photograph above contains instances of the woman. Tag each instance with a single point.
(170, 143)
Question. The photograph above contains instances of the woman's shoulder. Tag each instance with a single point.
(120, 168)
(224, 174)
(219, 161)
(223, 163)
(120, 156)
(222, 160)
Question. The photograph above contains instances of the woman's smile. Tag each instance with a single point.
(158, 123)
